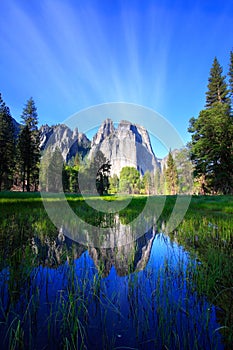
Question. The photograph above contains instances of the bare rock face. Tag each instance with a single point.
(127, 145)
(106, 129)
(131, 257)
(67, 141)
(45, 133)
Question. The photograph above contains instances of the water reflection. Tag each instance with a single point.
(56, 293)
(131, 257)
(103, 229)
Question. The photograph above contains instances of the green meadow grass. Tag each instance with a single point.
(218, 204)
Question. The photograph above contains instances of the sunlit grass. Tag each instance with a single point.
(218, 204)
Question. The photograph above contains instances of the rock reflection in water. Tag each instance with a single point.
(135, 295)
(54, 251)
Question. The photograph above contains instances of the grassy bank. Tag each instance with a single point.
(210, 204)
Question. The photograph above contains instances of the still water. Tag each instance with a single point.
(58, 294)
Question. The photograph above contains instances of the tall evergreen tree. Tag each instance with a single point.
(185, 170)
(171, 175)
(217, 86)
(162, 181)
(147, 182)
(102, 167)
(157, 182)
(212, 149)
(231, 76)
(94, 178)
(28, 147)
(7, 146)
(70, 178)
(55, 172)
(212, 137)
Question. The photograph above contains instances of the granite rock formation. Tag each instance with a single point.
(127, 145)
(67, 141)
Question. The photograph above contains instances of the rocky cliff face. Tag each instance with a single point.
(126, 145)
(67, 141)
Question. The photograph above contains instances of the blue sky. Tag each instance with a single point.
(73, 54)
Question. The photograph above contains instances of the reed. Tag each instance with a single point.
(53, 295)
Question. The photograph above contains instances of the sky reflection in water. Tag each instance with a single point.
(134, 296)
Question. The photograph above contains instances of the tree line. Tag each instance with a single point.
(175, 177)
(19, 149)
(93, 176)
(209, 155)
(79, 176)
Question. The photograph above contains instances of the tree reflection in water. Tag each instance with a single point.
(57, 293)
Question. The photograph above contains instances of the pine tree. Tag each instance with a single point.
(171, 175)
(212, 138)
(28, 147)
(94, 177)
(55, 172)
(24, 158)
(212, 149)
(70, 178)
(163, 180)
(217, 87)
(101, 167)
(147, 182)
(185, 170)
(157, 182)
(7, 146)
(230, 74)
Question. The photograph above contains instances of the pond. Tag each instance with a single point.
(58, 294)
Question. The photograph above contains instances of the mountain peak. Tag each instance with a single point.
(106, 129)
(128, 145)
(67, 141)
